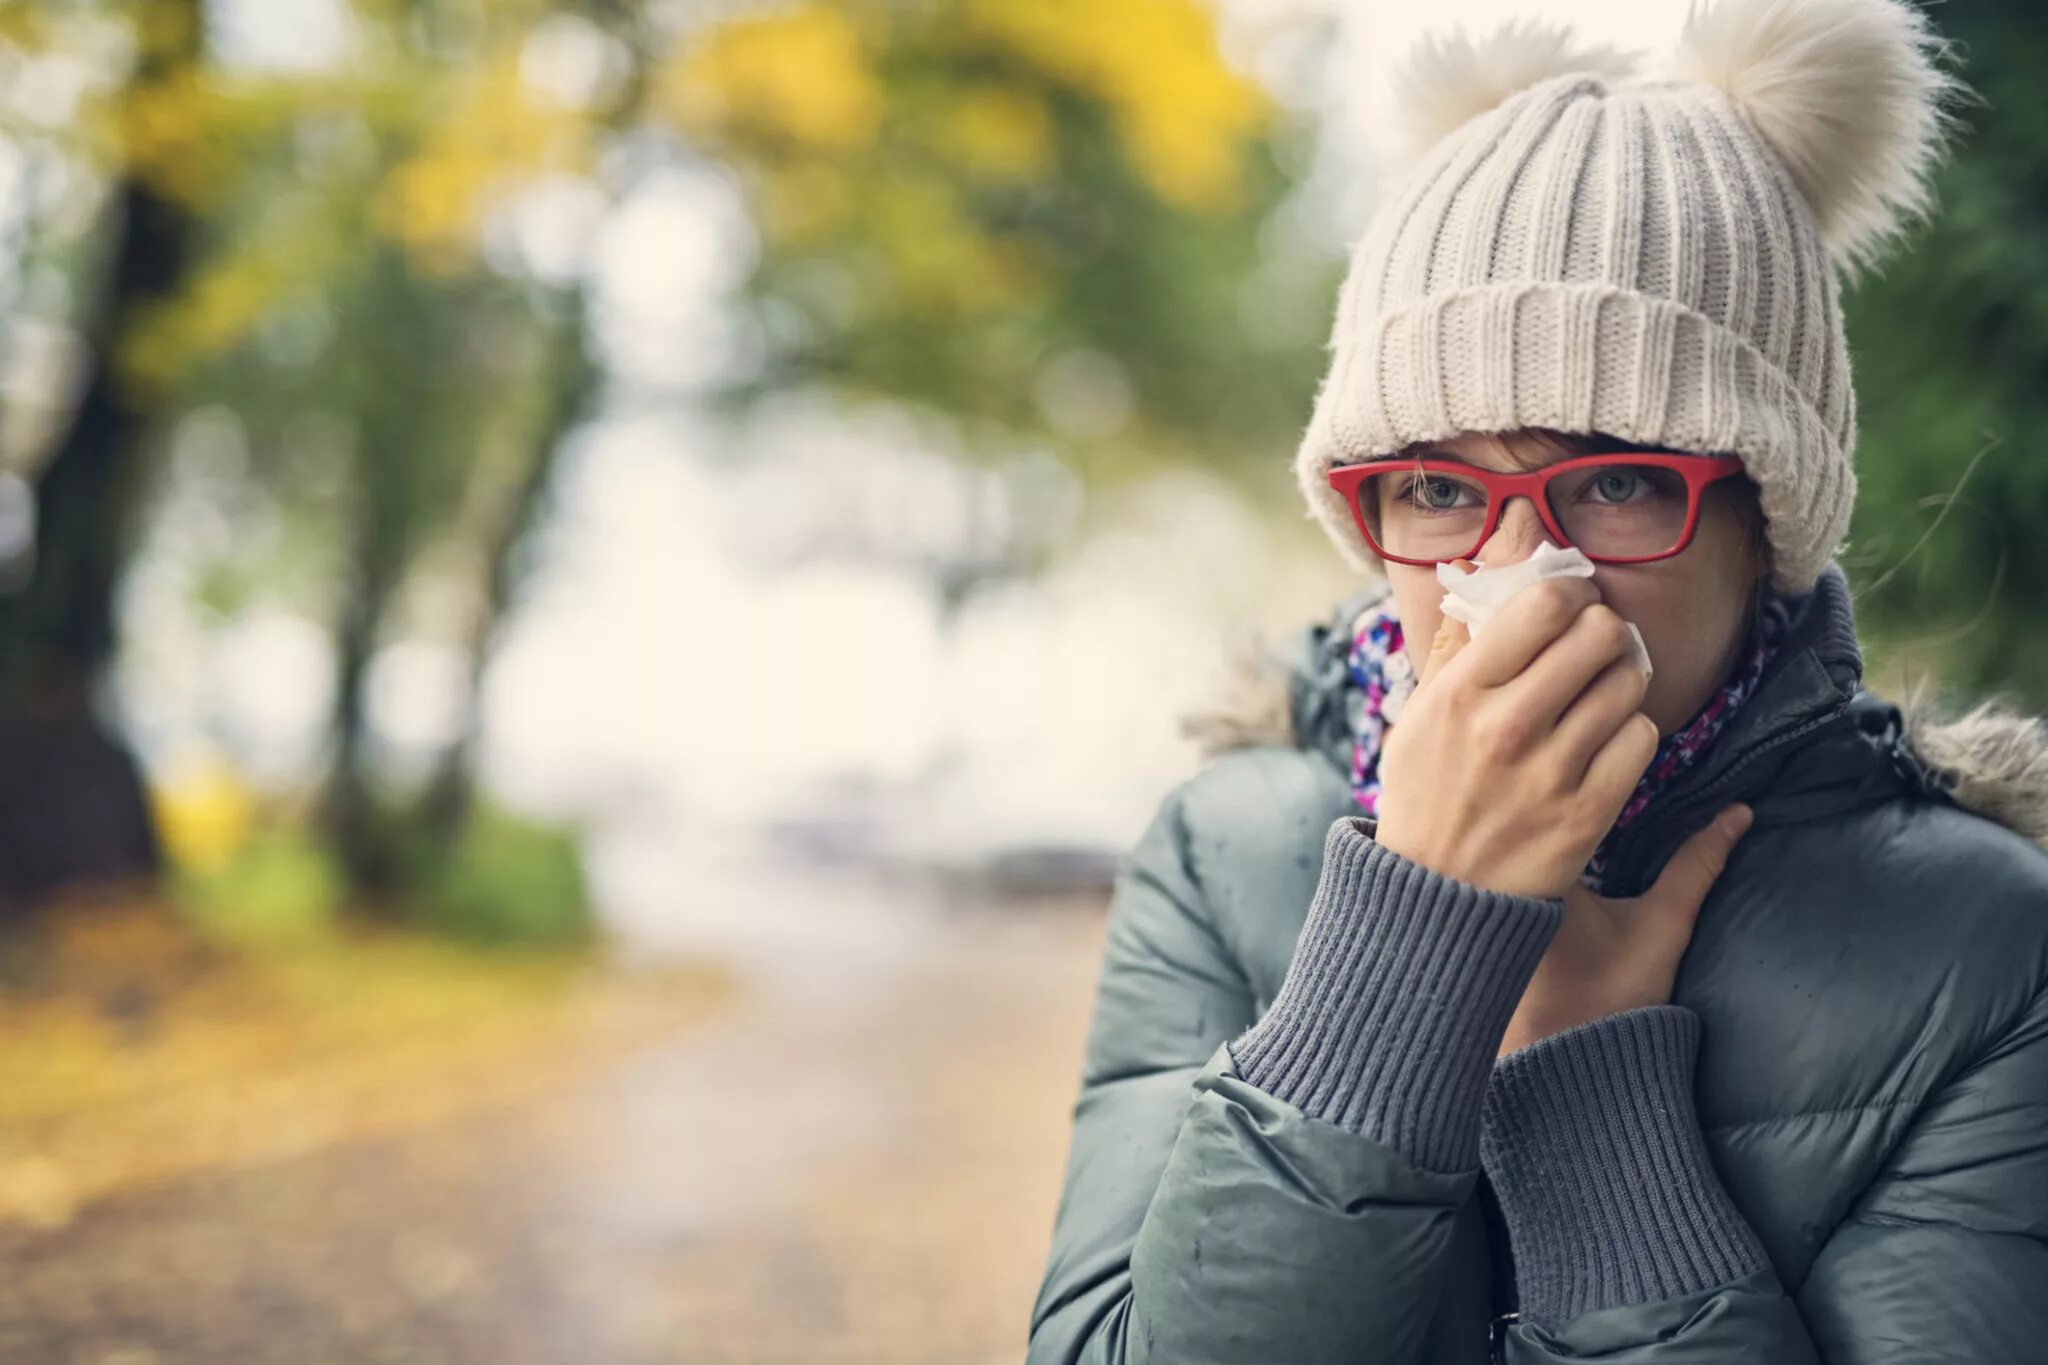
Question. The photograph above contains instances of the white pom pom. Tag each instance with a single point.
(1447, 80)
(1846, 92)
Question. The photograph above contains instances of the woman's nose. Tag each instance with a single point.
(1520, 531)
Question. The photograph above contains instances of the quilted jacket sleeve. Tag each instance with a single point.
(1205, 1219)
(1944, 1256)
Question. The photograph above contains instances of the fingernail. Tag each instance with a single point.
(1736, 819)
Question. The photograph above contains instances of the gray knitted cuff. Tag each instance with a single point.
(1401, 987)
(1595, 1154)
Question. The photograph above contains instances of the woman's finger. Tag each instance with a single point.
(1597, 712)
(1526, 624)
(1572, 663)
(1619, 763)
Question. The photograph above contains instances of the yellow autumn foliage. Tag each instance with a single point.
(254, 1057)
(808, 78)
(165, 133)
(204, 816)
(187, 134)
(804, 201)
(497, 130)
(24, 27)
(166, 29)
(943, 265)
(1184, 114)
(999, 132)
(803, 76)
(222, 305)
(800, 100)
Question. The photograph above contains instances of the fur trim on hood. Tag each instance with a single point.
(1995, 756)
(1254, 706)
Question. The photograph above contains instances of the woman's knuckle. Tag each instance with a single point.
(1581, 810)
(1606, 627)
(1561, 601)
(1626, 681)
(1498, 734)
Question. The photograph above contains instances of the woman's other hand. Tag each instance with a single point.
(1615, 955)
(1516, 752)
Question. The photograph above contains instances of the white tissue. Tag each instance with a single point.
(1474, 597)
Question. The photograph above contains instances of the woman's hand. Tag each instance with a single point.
(1615, 955)
(1515, 753)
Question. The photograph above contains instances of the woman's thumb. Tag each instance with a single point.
(1698, 864)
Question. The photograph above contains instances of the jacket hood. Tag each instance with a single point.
(1811, 703)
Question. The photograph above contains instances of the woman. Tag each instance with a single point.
(1454, 1022)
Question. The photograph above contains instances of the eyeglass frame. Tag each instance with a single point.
(1698, 471)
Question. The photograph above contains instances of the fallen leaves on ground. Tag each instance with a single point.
(131, 1053)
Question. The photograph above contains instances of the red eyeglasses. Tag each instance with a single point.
(1622, 508)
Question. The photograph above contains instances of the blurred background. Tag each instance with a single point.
(590, 591)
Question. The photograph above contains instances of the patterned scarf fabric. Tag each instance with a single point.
(1382, 676)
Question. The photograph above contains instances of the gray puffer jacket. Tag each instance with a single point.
(1294, 1143)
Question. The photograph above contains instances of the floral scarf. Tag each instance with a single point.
(1383, 675)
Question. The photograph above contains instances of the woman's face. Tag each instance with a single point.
(1692, 608)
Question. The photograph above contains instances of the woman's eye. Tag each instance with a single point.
(1619, 486)
(1433, 494)
(1615, 485)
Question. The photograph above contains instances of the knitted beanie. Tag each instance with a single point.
(1569, 242)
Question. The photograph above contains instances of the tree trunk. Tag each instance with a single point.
(571, 378)
(74, 807)
(378, 559)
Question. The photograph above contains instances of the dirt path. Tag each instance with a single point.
(855, 1159)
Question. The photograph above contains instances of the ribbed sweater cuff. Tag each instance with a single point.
(1594, 1150)
(1393, 1009)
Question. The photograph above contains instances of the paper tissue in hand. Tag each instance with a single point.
(1474, 597)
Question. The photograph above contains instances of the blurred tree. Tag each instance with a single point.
(569, 381)
(1951, 345)
(447, 380)
(1043, 218)
(304, 251)
(955, 199)
(1050, 223)
(73, 804)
